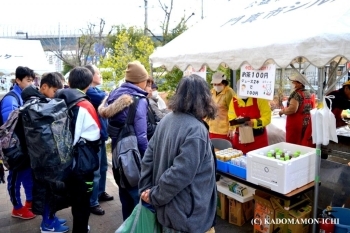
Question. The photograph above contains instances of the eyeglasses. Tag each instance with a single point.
(217, 84)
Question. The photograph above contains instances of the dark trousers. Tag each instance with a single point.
(80, 188)
(129, 197)
(15, 179)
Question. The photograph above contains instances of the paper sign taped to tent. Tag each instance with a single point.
(258, 83)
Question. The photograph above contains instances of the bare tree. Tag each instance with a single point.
(167, 34)
(91, 43)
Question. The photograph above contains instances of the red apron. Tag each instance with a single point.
(254, 113)
(298, 125)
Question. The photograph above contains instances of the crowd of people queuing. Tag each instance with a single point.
(178, 168)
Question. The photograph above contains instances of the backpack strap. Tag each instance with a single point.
(10, 93)
(132, 110)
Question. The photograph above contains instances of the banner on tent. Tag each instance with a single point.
(202, 72)
(258, 83)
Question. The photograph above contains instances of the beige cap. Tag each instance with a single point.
(218, 77)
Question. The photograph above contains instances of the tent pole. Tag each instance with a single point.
(321, 78)
(233, 79)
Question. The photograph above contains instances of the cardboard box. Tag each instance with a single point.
(281, 176)
(263, 212)
(222, 206)
(296, 214)
(239, 212)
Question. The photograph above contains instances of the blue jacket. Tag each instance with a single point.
(96, 97)
(9, 103)
(116, 108)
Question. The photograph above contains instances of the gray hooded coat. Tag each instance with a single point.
(179, 169)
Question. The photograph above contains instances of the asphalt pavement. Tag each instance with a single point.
(107, 223)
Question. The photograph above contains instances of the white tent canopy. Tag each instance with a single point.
(264, 31)
(30, 53)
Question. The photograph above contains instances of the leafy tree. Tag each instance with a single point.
(130, 44)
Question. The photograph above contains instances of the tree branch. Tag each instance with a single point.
(154, 35)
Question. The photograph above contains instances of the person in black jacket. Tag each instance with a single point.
(44, 198)
(340, 102)
(99, 191)
(152, 118)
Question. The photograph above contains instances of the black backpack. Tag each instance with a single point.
(126, 158)
(46, 124)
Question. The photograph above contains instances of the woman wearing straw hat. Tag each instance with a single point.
(299, 105)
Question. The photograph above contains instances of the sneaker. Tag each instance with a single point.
(28, 204)
(105, 197)
(62, 221)
(97, 210)
(23, 213)
(55, 226)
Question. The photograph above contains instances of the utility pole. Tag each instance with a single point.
(59, 47)
(146, 17)
(202, 9)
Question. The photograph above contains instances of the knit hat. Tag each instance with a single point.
(135, 72)
(347, 83)
(298, 78)
(217, 78)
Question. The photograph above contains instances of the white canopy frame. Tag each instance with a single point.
(262, 32)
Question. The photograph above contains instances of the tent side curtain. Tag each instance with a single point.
(264, 31)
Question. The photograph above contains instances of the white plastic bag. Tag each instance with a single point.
(331, 122)
(314, 123)
(323, 124)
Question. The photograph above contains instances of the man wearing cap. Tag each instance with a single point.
(222, 95)
(299, 105)
(116, 108)
(155, 99)
(161, 103)
(340, 102)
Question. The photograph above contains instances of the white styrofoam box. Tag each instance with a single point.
(281, 176)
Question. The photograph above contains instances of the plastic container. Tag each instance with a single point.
(222, 166)
(343, 214)
(237, 171)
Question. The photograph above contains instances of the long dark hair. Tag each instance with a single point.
(193, 97)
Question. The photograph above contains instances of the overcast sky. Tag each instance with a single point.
(40, 16)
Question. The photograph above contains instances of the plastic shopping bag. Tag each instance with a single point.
(332, 121)
(141, 220)
(314, 122)
(325, 123)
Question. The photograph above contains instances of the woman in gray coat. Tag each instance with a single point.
(178, 168)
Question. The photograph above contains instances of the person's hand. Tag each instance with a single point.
(145, 196)
(280, 113)
(249, 123)
(230, 133)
